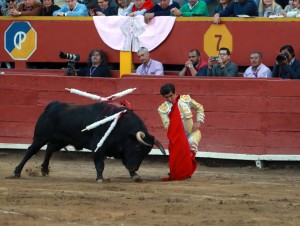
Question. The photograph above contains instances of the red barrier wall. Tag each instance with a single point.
(78, 35)
(248, 116)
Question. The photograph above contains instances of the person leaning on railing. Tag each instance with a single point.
(192, 8)
(163, 8)
(27, 8)
(123, 5)
(72, 8)
(268, 8)
(104, 9)
(292, 10)
(11, 5)
(236, 8)
(48, 8)
(138, 8)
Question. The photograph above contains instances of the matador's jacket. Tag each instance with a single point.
(185, 104)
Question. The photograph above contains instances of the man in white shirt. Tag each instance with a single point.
(257, 68)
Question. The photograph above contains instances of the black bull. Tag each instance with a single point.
(61, 124)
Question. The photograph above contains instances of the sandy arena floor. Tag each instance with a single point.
(214, 195)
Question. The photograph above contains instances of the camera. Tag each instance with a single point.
(214, 58)
(71, 63)
(68, 56)
(282, 57)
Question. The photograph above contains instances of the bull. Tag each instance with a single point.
(61, 123)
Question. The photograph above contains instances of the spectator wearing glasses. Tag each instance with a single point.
(194, 66)
(221, 65)
(48, 8)
(104, 9)
(11, 5)
(27, 8)
(72, 8)
(148, 66)
(257, 68)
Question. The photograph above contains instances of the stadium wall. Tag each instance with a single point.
(252, 119)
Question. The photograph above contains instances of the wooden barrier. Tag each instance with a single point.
(244, 117)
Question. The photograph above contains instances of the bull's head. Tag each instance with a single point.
(140, 137)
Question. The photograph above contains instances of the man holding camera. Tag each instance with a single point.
(221, 65)
(194, 66)
(286, 64)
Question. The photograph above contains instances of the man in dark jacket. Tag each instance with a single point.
(163, 8)
(235, 8)
(286, 64)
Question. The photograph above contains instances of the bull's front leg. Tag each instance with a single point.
(134, 176)
(99, 165)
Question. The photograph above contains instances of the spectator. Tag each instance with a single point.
(268, 8)
(257, 68)
(72, 8)
(97, 65)
(192, 8)
(27, 8)
(223, 4)
(286, 65)
(48, 8)
(11, 6)
(104, 9)
(163, 8)
(235, 8)
(194, 66)
(282, 3)
(221, 65)
(90, 4)
(148, 66)
(138, 8)
(2, 6)
(292, 10)
(122, 5)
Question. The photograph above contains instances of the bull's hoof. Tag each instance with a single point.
(136, 178)
(45, 172)
(13, 176)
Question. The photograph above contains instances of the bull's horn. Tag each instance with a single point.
(139, 136)
(160, 146)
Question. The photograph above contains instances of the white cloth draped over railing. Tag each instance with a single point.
(130, 33)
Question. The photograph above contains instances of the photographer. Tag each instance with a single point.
(221, 65)
(97, 65)
(286, 64)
